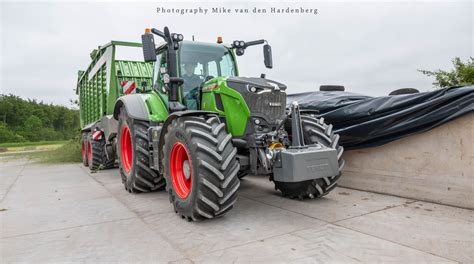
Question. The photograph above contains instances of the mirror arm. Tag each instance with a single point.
(255, 42)
(157, 32)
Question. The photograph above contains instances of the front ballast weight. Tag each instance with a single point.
(302, 162)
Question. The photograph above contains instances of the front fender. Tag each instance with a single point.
(146, 107)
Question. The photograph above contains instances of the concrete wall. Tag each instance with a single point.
(435, 166)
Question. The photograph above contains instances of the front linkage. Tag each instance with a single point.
(302, 155)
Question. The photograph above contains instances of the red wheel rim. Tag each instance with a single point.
(89, 152)
(181, 170)
(83, 151)
(126, 149)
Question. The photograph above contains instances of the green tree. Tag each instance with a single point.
(6, 110)
(462, 74)
(32, 120)
(6, 135)
(32, 128)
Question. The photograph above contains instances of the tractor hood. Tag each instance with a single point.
(237, 82)
(265, 98)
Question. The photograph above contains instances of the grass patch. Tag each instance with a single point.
(34, 148)
(68, 152)
(30, 144)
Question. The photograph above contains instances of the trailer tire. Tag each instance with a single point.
(200, 168)
(133, 151)
(84, 149)
(109, 164)
(98, 159)
(96, 155)
(315, 131)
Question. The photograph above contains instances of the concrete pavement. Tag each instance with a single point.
(63, 213)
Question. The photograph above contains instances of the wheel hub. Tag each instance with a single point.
(186, 169)
(180, 170)
(126, 149)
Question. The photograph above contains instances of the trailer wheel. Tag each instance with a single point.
(315, 131)
(133, 150)
(97, 155)
(200, 168)
(109, 164)
(84, 150)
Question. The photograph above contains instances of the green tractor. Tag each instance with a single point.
(197, 128)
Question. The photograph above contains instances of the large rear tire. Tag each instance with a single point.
(133, 150)
(315, 131)
(200, 168)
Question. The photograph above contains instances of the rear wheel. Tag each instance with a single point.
(133, 149)
(200, 167)
(315, 131)
(84, 149)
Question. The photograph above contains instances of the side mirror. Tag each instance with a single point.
(267, 55)
(148, 42)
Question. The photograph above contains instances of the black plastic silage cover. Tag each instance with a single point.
(364, 121)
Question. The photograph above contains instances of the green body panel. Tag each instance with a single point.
(156, 106)
(236, 111)
(99, 85)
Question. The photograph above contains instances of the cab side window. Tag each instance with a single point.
(158, 74)
(213, 69)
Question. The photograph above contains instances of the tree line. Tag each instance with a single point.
(28, 120)
(23, 120)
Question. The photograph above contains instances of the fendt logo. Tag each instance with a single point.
(274, 104)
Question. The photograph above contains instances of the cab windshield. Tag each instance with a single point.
(200, 62)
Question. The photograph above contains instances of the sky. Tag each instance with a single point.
(370, 47)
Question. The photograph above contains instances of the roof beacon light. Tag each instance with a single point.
(219, 39)
(147, 30)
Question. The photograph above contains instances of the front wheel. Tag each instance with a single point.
(200, 167)
(315, 131)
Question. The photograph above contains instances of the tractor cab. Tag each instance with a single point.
(200, 62)
(182, 67)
